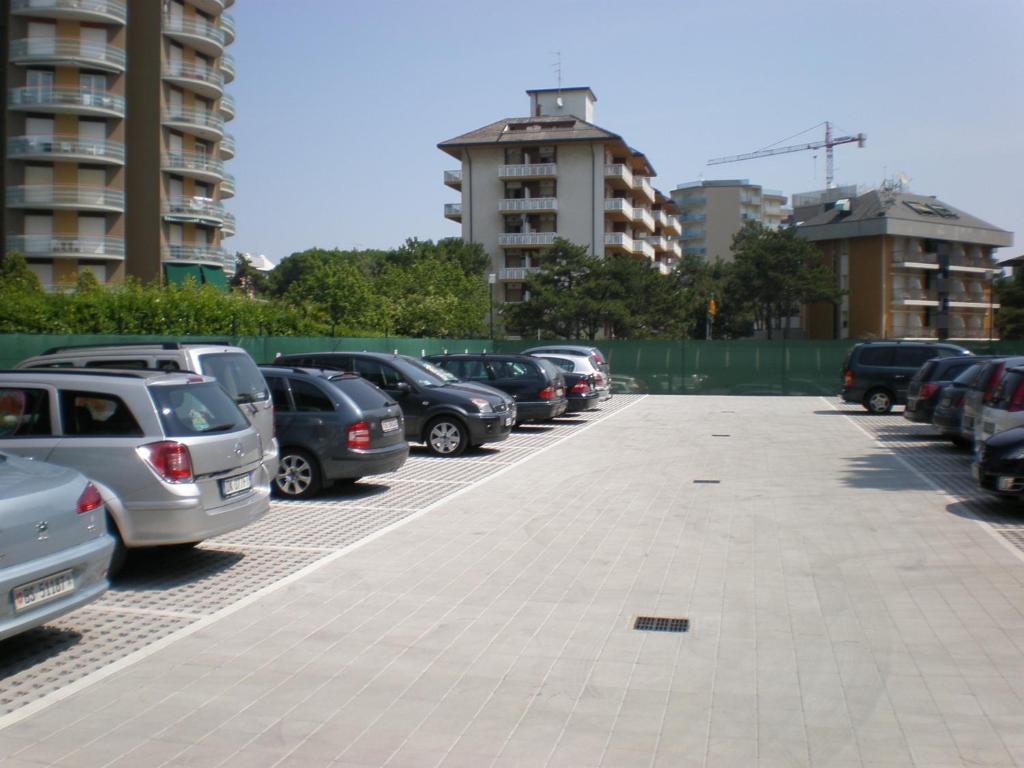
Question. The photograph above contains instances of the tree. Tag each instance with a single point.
(16, 277)
(1009, 319)
(339, 294)
(776, 271)
(251, 281)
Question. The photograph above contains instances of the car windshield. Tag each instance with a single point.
(419, 373)
(440, 372)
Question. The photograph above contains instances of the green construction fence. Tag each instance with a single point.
(744, 367)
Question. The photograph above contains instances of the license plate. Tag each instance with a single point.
(43, 590)
(232, 485)
(508, 421)
(388, 425)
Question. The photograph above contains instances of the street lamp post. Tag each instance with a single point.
(492, 278)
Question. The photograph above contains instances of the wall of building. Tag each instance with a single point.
(580, 190)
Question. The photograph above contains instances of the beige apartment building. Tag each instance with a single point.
(114, 141)
(913, 267)
(712, 212)
(528, 180)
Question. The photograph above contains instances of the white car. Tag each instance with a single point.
(580, 364)
(1004, 409)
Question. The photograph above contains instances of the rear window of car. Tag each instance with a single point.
(561, 362)
(365, 395)
(196, 409)
(550, 369)
(876, 356)
(1010, 381)
(968, 377)
(237, 374)
(925, 372)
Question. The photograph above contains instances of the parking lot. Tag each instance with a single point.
(851, 601)
(161, 593)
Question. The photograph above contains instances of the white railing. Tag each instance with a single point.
(618, 171)
(618, 205)
(65, 146)
(643, 248)
(453, 210)
(527, 238)
(510, 205)
(658, 242)
(46, 49)
(517, 274)
(115, 10)
(528, 171)
(49, 246)
(65, 196)
(642, 184)
(618, 240)
(643, 216)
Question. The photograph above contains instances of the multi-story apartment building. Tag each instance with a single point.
(114, 141)
(713, 211)
(528, 180)
(913, 268)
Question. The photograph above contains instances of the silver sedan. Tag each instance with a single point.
(54, 546)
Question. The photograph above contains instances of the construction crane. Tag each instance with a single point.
(828, 144)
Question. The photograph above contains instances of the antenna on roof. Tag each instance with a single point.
(558, 74)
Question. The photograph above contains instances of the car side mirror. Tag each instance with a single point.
(403, 388)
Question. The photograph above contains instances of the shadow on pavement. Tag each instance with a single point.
(162, 568)
(29, 648)
(881, 471)
(992, 509)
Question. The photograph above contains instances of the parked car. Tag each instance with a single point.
(55, 549)
(1004, 409)
(599, 359)
(232, 367)
(448, 417)
(580, 392)
(926, 385)
(875, 374)
(331, 426)
(981, 393)
(949, 412)
(536, 385)
(172, 456)
(580, 364)
(999, 463)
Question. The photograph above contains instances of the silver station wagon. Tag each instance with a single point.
(173, 457)
(54, 545)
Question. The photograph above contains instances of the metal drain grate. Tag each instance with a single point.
(721, 435)
(709, 482)
(661, 624)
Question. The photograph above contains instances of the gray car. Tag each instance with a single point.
(54, 547)
(174, 458)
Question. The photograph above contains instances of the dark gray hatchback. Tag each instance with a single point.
(331, 426)
(876, 373)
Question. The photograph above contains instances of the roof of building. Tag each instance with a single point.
(546, 129)
(880, 212)
(563, 90)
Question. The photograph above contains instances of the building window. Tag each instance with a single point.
(514, 293)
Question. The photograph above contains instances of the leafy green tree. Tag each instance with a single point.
(1009, 318)
(247, 278)
(340, 294)
(16, 276)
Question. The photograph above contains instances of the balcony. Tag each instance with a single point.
(227, 25)
(619, 175)
(453, 179)
(976, 268)
(528, 171)
(212, 255)
(76, 101)
(643, 248)
(212, 7)
(660, 220)
(105, 11)
(66, 197)
(643, 218)
(516, 274)
(672, 226)
(524, 204)
(227, 146)
(194, 210)
(206, 81)
(642, 185)
(193, 165)
(453, 211)
(675, 249)
(208, 125)
(67, 52)
(526, 238)
(228, 228)
(914, 298)
(915, 261)
(662, 267)
(618, 208)
(197, 33)
(227, 106)
(57, 247)
(227, 186)
(658, 242)
(617, 242)
(691, 201)
(65, 149)
(912, 331)
(227, 67)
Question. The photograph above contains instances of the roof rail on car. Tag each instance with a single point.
(125, 373)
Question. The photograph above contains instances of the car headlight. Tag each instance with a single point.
(483, 405)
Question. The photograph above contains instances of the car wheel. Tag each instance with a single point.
(120, 554)
(298, 475)
(878, 401)
(447, 436)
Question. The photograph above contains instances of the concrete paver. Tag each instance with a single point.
(842, 613)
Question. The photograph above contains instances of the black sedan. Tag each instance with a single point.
(581, 392)
(999, 463)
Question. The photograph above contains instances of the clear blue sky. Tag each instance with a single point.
(341, 103)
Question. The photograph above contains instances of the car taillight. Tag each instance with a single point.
(548, 393)
(89, 500)
(1017, 401)
(359, 436)
(169, 459)
(598, 380)
(848, 379)
(927, 390)
(993, 382)
(580, 388)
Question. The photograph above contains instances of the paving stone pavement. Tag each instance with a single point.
(843, 612)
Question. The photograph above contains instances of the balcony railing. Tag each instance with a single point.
(65, 196)
(514, 205)
(517, 274)
(75, 100)
(643, 185)
(528, 171)
(228, 227)
(691, 201)
(227, 146)
(56, 247)
(643, 217)
(111, 11)
(672, 226)
(618, 240)
(227, 66)
(67, 51)
(207, 80)
(227, 23)
(658, 242)
(202, 254)
(620, 172)
(194, 118)
(453, 179)
(227, 186)
(227, 106)
(643, 248)
(618, 205)
(453, 211)
(65, 148)
(913, 332)
(202, 210)
(527, 238)
(192, 162)
(201, 34)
